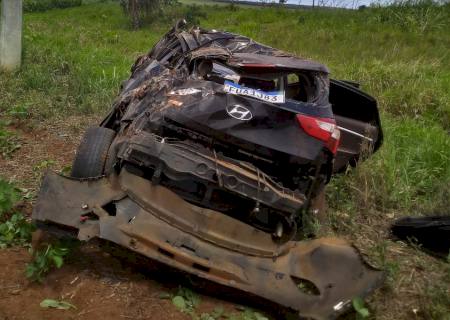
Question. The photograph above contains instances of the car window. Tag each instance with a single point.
(266, 82)
(292, 78)
(297, 87)
(301, 87)
(261, 84)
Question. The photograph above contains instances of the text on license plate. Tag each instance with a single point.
(269, 96)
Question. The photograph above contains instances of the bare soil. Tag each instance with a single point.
(48, 145)
(98, 284)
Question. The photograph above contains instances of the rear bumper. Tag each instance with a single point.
(155, 222)
(180, 161)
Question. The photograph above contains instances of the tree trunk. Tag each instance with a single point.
(134, 10)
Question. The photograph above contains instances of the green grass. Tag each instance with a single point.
(75, 59)
(411, 173)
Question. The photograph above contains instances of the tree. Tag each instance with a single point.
(141, 10)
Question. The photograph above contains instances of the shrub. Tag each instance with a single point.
(193, 14)
(15, 231)
(8, 197)
(140, 11)
(43, 5)
(14, 228)
(44, 260)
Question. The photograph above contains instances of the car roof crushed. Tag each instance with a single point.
(235, 50)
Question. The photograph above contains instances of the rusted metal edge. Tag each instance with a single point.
(316, 278)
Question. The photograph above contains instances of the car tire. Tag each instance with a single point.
(92, 153)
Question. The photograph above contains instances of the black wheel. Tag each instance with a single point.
(92, 154)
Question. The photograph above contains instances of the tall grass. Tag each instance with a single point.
(410, 174)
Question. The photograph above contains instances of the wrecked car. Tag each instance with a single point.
(212, 154)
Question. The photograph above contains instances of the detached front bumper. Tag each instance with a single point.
(153, 221)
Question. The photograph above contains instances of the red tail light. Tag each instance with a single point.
(324, 129)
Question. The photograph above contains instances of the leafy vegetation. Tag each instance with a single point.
(44, 260)
(247, 314)
(9, 195)
(187, 302)
(14, 227)
(361, 311)
(56, 304)
(15, 231)
(43, 5)
(40, 168)
(143, 11)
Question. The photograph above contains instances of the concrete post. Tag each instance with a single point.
(11, 34)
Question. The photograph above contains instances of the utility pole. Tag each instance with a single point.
(10, 34)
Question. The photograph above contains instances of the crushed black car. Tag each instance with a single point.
(213, 152)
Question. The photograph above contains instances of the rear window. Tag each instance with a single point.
(300, 87)
(304, 86)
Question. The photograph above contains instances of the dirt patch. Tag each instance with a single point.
(49, 145)
(98, 284)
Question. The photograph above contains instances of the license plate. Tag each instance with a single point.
(268, 96)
